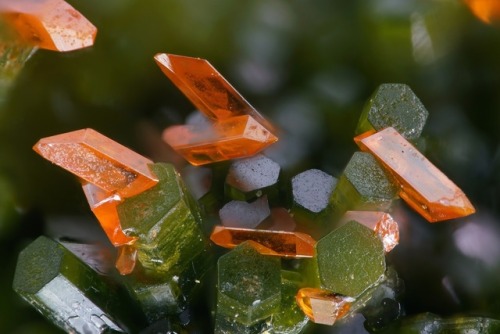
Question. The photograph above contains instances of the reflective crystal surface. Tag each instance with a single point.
(243, 214)
(422, 185)
(321, 306)
(99, 160)
(276, 243)
(49, 24)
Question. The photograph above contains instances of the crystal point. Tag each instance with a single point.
(99, 160)
(276, 243)
(49, 24)
(321, 306)
(422, 185)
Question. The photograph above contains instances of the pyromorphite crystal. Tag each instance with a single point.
(252, 177)
(275, 243)
(70, 293)
(249, 285)
(207, 89)
(394, 105)
(349, 259)
(232, 138)
(364, 185)
(422, 185)
(49, 24)
(99, 160)
(167, 221)
(289, 319)
(380, 222)
(321, 306)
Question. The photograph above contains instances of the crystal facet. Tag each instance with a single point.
(394, 105)
(126, 259)
(99, 160)
(49, 24)
(321, 306)
(422, 185)
(252, 177)
(276, 243)
(249, 285)
(235, 137)
(380, 222)
(207, 89)
(243, 214)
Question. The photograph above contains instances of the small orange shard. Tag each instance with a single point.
(126, 259)
(321, 306)
(487, 11)
(103, 205)
(206, 88)
(236, 137)
(275, 243)
(49, 24)
(422, 185)
(99, 160)
(380, 222)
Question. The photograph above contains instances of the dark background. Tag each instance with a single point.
(307, 65)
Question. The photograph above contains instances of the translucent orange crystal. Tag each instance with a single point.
(126, 259)
(206, 88)
(422, 185)
(275, 243)
(49, 24)
(321, 306)
(236, 137)
(487, 11)
(103, 205)
(99, 160)
(380, 222)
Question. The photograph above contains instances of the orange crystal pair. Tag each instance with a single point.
(238, 130)
(274, 243)
(109, 172)
(49, 24)
(422, 185)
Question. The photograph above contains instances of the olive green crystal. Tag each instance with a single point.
(397, 106)
(68, 292)
(350, 259)
(364, 185)
(249, 285)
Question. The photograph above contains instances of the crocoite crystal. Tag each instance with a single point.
(322, 306)
(276, 243)
(49, 24)
(99, 160)
(422, 185)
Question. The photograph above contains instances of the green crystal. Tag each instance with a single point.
(229, 325)
(431, 323)
(348, 260)
(71, 294)
(397, 106)
(289, 319)
(364, 185)
(249, 285)
(167, 221)
(253, 177)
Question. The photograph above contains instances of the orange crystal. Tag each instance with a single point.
(487, 11)
(321, 306)
(206, 88)
(422, 185)
(380, 222)
(236, 137)
(126, 259)
(276, 243)
(99, 160)
(49, 24)
(103, 205)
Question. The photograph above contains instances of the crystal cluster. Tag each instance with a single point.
(295, 251)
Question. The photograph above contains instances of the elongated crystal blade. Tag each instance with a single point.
(422, 185)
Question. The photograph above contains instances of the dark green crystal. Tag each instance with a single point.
(249, 285)
(394, 105)
(71, 294)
